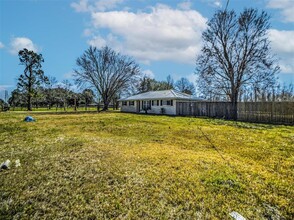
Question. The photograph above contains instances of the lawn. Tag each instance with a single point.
(125, 166)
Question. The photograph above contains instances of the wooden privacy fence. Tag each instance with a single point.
(266, 112)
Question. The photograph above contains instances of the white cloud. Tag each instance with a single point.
(162, 34)
(101, 5)
(19, 43)
(185, 5)
(110, 39)
(287, 7)
(217, 3)
(283, 46)
(1, 45)
(97, 41)
(148, 73)
(213, 3)
(81, 6)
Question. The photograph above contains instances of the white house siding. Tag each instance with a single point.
(155, 109)
(129, 108)
(168, 109)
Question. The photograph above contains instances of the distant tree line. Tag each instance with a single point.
(103, 77)
(277, 92)
(235, 64)
(57, 95)
(147, 84)
(62, 95)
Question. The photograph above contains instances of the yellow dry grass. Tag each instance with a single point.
(125, 166)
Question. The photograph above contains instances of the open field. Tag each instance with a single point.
(125, 166)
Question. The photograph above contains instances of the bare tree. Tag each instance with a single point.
(236, 53)
(105, 70)
(285, 92)
(184, 85)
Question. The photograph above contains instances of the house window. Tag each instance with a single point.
(152, 103)
(169, 102)
(146, 105)
(160, 102)
(131, 103)
(157, 102)
(124, 103)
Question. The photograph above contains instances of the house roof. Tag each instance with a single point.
(163, 94)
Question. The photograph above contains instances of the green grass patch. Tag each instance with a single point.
(126, 166)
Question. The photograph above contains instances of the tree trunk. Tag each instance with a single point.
(234, 102)
(106, 101)
(30, 90)
(29, 102)
(105, 105)
(75, 103)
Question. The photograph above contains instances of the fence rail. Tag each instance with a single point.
(265, 112)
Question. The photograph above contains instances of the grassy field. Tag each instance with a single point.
(125, 166)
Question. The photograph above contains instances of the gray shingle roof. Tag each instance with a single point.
(164, 94)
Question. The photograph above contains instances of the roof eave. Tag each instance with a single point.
(158, 98)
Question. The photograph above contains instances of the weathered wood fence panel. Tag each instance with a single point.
(267, 112)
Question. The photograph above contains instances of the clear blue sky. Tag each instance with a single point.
(163, 36)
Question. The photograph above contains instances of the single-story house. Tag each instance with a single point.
(155, 102)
